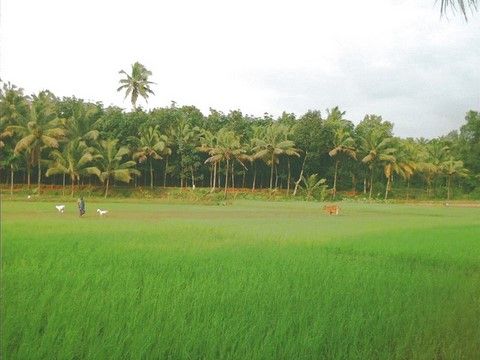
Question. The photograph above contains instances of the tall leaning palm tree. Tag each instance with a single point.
(343, 145)
(136, 83)
(111, 163)
(274, 144)
(41, 130)
(390, 165)
(150, 146)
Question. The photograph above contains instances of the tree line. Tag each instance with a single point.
(69, 141)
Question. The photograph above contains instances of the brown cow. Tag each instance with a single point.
(332, 209)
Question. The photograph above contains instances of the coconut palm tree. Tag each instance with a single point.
(390, 165)
(75, 160)
(149, 146)
(273, 145)
(13, 110)
(42, 130)
(111, 163)
(343, 144)
(80, 119)
(258, 133)
(4, 133)
(136, 84)
(226, 149)
(396, 160)
(431, 158)
(10, 160)
(453, 168)
(409, 157)
(289, 131)
(208, 142)
(165, 153)
(377, 148)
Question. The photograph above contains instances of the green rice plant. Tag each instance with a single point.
(254, 280)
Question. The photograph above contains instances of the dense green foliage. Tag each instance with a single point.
(256, 280)
(180, 146)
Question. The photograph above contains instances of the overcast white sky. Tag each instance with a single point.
(395, 58)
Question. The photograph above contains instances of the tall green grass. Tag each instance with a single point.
(254, 280)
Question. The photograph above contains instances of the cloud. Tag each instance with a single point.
(396, 58)
(425, 87)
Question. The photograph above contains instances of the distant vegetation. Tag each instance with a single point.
(69, 142)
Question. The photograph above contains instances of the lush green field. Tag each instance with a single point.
(254, 280)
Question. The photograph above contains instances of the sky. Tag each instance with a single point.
(395, 58)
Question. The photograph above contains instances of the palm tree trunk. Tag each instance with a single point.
(39, 173)
(271, 173)
(193, 177)
(448, 186)
(165, 174)
(11, 180)
(64, 176)
(29, 176)
(365, 184)
(243, 178)
(210, 182)
(289, 177)
(276, 176)
(335, 180)
(254, 175)
(388, 187)
(219, 177)
(151, 174)
(73, 184)
(106, 187)
(371, 184)
(214, 177)
(233, 174)
(226, 178)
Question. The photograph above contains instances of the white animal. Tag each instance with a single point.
(102, 212)
(60, 208)
(29, 197)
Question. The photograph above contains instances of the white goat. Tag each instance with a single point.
(60, 208)
(102, 212)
